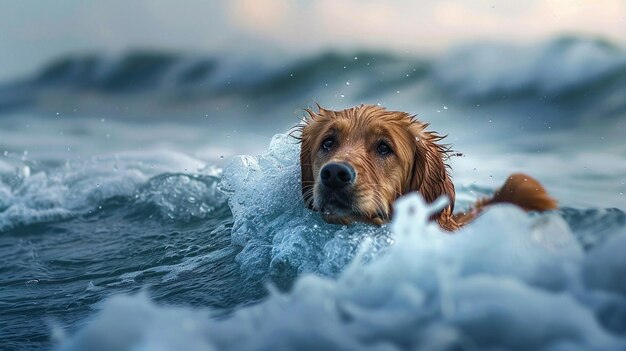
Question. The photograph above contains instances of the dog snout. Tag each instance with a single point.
(337, 175)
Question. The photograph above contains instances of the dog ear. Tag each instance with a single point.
(429, 175)
(306, 163)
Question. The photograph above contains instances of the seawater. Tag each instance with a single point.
(143, 251)
(128, 224)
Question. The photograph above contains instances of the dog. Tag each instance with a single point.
(356, 162)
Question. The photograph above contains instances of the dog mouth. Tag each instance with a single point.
(344, 207)
(340, 200)
(336, 203)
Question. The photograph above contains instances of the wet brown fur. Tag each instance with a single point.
(417, 163)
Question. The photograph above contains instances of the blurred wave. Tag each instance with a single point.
(581, 71)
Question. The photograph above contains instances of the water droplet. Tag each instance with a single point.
(445, 107)
(342, 95)
(348, 83)
(97, 185)
(397, 91)
(221, 156)
(356, 58)
(489, 121)
(102, 120)
(438, 110)
(6, 153)
(58, 113)
(26, 171)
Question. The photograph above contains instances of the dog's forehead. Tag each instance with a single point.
(362, 126)
(352, 131)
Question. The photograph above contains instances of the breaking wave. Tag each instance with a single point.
(570, 68)
(508, 281)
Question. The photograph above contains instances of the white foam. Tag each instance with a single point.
(183, 197)
(507, 281)
(80, 187)
(280, 237)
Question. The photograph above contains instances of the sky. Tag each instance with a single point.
(34, 32)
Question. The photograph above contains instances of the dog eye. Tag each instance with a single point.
(328, 143)
(383, 148)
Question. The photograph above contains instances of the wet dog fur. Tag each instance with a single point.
(356, 162)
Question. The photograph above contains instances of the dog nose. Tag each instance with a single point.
(337, 175)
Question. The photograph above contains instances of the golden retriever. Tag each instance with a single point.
(356, 162)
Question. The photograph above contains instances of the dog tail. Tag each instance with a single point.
(519, 189)
(525, 192)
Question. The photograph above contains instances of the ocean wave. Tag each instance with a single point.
(281, 239)
(554, 68)
(508, 281)
(141, 71)
(182, 197)
(594, 226)
(30, 197)
(565, 67)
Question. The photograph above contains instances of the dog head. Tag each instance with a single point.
(356, 162)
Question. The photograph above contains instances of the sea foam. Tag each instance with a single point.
(280, 237)
(181, 187)
(507, 281)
